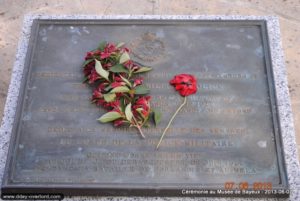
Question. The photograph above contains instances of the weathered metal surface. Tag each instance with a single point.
(228, 132)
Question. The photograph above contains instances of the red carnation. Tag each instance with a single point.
(185, 84)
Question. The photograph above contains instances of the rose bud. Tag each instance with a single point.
(117, 84)
(138, 81)
(119, 122)
(128, 64)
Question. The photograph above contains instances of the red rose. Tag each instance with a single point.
(185, 84)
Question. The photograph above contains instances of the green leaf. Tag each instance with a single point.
(146, 125)
(143, 69)
(139, 110)
(101, 71)
(86, 62)
(109, 97)
(124, 57)
(125, 80)
(157, 117)
(120, 44)
(108, 88)
(128, 112)
(122, 104)
(102, 45)
(119, 68)
(141, 89)
(120, 89)
(110, 116)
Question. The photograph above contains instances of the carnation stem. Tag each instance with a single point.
(165, 131)
(138, 127)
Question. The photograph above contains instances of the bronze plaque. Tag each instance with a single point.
(226, 138)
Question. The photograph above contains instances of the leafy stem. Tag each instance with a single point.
(138, 127)
(169, 124)
(130, 74)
